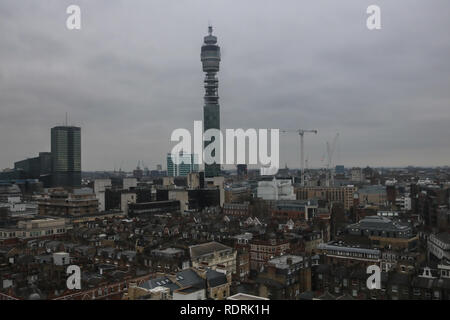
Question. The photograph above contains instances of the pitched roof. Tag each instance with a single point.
(215, 278)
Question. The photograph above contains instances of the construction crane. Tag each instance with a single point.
(301, 133)
(330, 151)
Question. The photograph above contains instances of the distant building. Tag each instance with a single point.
(16, 208)
(100, 186)
(339, 170)
(66, 155)
(36, 228)
(210, 57)
(153, 208)
(8, 190)
(188, 163)
(380, 226)
(237, 193)
(193, 180)
(197, 199)
(295, 209)
(403, 203)
(285, 277)
(337, 252)
(236, 209)
(60, 203)
(439, 245)
(128, 183)
(262, 251)
(357, 175)
(189, 284)
(213, 255)
(383, 232)
(242, 170)
(343, 195)
(375, 195)
(276, 189)
(34, 168)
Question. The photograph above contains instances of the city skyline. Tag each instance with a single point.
(222, 158)
(385, 93)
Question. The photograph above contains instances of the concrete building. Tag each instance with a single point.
(193, 180)
(127, 198)
(153, 208)
(213, 255)
(295, 209)
(15, 207)
(61, 258)
(237, 193)
(285, 277)
(236, 209)
(343, 195)
(262, 251)
(439, 245)
(276, 189)
(210, 57)
(403, 203)
(380, 226)
(384, 232)
(79, 202)
(100, 186)
(36, 228)
(340, 253)
(375, 195)
(181, 195)
(357, 175)
(129, 183)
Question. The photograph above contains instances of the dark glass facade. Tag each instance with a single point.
(66, 154)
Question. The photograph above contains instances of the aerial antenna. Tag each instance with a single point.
(66, 120)
(210, 27)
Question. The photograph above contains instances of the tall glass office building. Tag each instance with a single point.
(187, 163)
(66, 154)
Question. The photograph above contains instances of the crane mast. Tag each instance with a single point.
(301, 133)
(330, 151)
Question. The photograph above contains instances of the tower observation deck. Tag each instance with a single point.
(210, 57)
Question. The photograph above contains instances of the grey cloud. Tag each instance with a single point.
(133, 74)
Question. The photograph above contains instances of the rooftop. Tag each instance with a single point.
(206, 248)
(283, 262)
(244, 296)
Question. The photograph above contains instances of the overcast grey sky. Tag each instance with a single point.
(133, 74)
